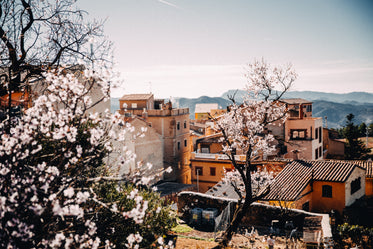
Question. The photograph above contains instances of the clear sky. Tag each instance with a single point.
(190, 48)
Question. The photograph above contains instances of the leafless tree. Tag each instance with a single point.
(38, 35)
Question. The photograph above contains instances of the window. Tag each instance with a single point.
(134, 105)
(212, 171)
(320, 135)
(316, 133)
(316, 153)
(178, 125)
(185, 143)
(355, 185)
(327, 191)
(205, 149)
(294, 134)
(178, 145)
(309, 108)
(320, 151)
(185, 126)
(306, 206)
(199, 171)
(298, 134)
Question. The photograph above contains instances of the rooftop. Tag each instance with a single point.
(214, 138)
(204, 108)
(140, 96)
(366, 164)
(168, 188)
(296, 101)
(294, 178)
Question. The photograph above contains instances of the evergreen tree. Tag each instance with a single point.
(354, 148)
(362, 129)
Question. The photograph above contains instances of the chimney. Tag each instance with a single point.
(144, 114)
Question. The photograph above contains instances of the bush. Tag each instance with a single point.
(157, 222)
(354, 234)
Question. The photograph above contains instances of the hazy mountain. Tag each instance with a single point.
(352, 98)
(337, 112)
(114, 104)
(334, 106)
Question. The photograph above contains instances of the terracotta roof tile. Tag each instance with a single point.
(365, 164)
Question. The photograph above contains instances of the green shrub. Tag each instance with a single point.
(157, 222)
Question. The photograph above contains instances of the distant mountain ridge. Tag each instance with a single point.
(331, 105)
(352, 98)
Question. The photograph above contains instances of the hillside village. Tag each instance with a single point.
(263, 167)
(314, 187)
(309, 167)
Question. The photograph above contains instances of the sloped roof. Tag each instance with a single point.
(294, 178)
(204, 108)
(140, 96)
(365, 164)
(296, 101)
(213, 138)
(168, 188)
(224, 190)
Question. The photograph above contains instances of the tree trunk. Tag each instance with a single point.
(238, 215)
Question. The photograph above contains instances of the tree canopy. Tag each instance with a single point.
(354, 148)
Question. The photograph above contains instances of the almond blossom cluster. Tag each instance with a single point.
(48, 161)
(259, 179)
(246, 128)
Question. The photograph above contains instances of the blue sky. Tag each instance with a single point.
(189, 48)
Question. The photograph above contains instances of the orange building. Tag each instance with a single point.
(368, 166)
(208, 163)
(333, 148)
(318, 186)
(137, 102)
(17, 99)
(173, 126)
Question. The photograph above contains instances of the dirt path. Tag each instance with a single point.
(202, 240)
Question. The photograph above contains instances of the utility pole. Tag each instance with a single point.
(197, 170)
(367, 136)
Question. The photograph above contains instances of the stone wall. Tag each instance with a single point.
(259, 215)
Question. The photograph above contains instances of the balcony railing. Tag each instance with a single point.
(216, 156)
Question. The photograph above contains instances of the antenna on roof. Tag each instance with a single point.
(150, 87)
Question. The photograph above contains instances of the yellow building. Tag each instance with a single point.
(206, 110)
(208, 169)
